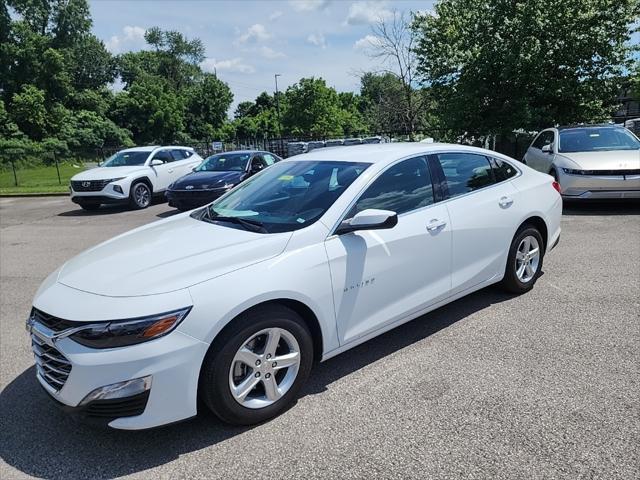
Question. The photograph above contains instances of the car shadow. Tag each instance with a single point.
(41, 441)
(103, 210)
(601, 207)
(168, 213)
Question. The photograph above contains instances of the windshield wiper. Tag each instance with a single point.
(251, 225)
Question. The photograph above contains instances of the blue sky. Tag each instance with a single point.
(247, 42)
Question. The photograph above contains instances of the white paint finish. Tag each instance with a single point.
(221, 272)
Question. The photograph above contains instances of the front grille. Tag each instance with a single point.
(53, 323)
(89, 185)
(118, 407)
(607, 173)
(52, 366)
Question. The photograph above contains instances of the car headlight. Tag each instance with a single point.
(114, 179)
(571, 171)
(121, 333)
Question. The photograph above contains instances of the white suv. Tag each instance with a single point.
(132, 176)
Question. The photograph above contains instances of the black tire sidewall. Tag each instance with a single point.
(214, 378)
(511, 280)
(132, 197)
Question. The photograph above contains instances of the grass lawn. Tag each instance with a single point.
(38, 180)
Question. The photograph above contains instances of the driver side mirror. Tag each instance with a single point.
(155, 162)
(547, 148)
(369, 219)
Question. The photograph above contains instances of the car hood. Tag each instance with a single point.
(605, 160)
(204, 180)
(168, 255)
(103, 173)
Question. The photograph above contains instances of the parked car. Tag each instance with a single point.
(215, 176)
(589, 161)
(132, 176)
(232, 303)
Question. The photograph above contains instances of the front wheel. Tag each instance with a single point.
(524, 263)
(140, 196)
(256, 367)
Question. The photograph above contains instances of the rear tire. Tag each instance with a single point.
(242, 355)
(90, 207)
(524, 262)
(140, 195)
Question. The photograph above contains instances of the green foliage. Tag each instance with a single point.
(496, 65)
(29, 112)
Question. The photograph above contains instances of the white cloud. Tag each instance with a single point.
(255, 33)
(275, 15)
(367, 41)
(132, 38)
(308, 5)
(364, 13)
(317, 39)
(270, 53)
(236, 65)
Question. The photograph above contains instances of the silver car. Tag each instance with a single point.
(590, 161)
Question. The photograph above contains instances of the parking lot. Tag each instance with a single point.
(546, 385)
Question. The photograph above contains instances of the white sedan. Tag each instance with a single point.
(132, 176)
(232, 303)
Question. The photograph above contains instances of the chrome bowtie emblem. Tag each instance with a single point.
(189, 187)
(86, 184)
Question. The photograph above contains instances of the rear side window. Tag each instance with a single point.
(163, 155)
(465, 172)
(502, 170)
(180, 154)
(403, 187)
(270, 159)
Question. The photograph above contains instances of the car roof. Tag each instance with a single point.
(590, 125)
(151, 148)
(384, 152)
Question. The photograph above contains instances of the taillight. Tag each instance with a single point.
(556, 185)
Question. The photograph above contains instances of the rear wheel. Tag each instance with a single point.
(255, 369)
(89, 206)
(140, 195)
(524, 263)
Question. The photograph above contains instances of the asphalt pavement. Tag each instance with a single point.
(544, 385)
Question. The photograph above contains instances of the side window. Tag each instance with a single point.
(258, 163)
(545, 138)
(402, 188)
(465, 172)
(270, 159)
(180, 154)
(502, 170)
(163, 155)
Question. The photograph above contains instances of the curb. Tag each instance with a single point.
(23, 195)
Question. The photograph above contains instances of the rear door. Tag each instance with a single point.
(381, 276)
(184, 161)
(483, 210)
(164, 173)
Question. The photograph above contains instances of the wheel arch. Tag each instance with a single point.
(144, 179)
(540, 225)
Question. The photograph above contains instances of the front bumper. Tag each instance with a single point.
(190, 199)
(599, 187)
(173, 362)
(107, 195)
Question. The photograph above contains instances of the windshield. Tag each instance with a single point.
(126, 159)
(597, 139)
(286, 196)
(235, 162)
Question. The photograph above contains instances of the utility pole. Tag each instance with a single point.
(281, 152)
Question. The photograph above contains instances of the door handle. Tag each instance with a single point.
(505, 202)
(170, 171)
(435, 224)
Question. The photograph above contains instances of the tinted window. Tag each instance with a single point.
(597, 139)
(502, 170)
(225, 162)
(180, 154)
(402, 188)
(465, 172)
(545, 138)
(288, 195)
(163, 155)
(270, 159)
(126, 159)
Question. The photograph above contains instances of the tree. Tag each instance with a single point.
(29, 112)
(499, 65)
(394, 47)
(312, 109)
(207, 103)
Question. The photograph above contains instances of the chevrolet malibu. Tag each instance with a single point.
(232, 303)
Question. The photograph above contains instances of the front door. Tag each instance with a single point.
(380, 276)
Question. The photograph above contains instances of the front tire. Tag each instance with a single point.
(140, 196)
(524, 262)
(257, 365)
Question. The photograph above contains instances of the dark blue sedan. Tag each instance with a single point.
(215, 176)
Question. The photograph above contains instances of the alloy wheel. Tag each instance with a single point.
(527, 259)
(142, 195)
(264, 368)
